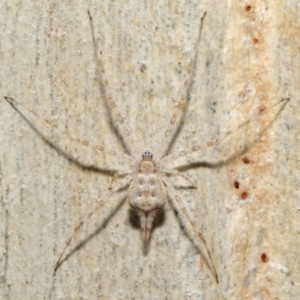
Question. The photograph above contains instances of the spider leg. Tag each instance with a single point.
(189, 219)
(181, 104)
(17, 105)
(125, 181)
(256, 114)
(118, 174)
(180, 174)
(123, 126)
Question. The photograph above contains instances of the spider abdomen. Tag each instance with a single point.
(147, 194)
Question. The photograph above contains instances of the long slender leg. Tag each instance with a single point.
(64, 131)
(131, 144)
(180, 106)
(121, 184)
(189, 219)
(118, 174)
(178, 173)
(257, 113)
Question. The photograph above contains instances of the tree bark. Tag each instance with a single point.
(247, 200)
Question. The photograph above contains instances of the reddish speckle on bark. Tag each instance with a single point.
(248, 8)
(236, 184)
(264, 257)
(244, 195)
(246, 160)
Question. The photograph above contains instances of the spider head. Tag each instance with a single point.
(147, 154)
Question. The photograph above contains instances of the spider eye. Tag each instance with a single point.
(147, 154)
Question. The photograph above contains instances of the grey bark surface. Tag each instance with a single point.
(248, 58)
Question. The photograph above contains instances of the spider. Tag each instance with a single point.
(148, 176)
